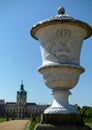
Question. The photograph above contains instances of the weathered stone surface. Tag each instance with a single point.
(60, 103)
(61, 39)
(63, 76)
(62, 45)
(62, 119)
(61, 127)
(61, 19)
(61, 122)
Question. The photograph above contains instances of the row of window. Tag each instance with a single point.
(28, 110)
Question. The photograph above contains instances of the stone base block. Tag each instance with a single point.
(61, 122)
(60, 127)
(58, 119)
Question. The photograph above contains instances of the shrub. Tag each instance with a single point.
(33, 121)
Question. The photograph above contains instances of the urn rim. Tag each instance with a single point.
(41, 68)
(61, 19)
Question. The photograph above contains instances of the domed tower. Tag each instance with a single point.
(21, 101)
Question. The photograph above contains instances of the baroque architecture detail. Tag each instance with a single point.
(21, 108)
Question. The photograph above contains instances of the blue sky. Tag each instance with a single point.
(20, 54)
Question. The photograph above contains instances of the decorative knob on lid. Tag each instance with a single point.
(61, 10)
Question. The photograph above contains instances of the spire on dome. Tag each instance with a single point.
(22, 86)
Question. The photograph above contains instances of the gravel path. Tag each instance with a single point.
(13, 125)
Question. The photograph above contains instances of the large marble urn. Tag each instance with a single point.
(61, 39)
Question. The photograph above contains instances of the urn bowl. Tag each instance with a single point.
(61, 77)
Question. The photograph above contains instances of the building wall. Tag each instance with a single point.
(13, 110)
(2, 110)
(20, 108)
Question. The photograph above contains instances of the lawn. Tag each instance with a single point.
(33, 121)
(2, 120)
(89, 124)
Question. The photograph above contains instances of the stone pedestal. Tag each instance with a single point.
(61, 127)
(61, 122)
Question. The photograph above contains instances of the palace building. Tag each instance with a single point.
(21, 108)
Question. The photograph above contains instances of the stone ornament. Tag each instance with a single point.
(61, 39)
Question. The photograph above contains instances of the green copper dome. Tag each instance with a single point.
(22, 92)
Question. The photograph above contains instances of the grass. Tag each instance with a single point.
(2, 120)
(32, 122)
(28, 126)
(32, 126)
(89, 124)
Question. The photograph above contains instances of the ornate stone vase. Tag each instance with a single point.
(61, 39)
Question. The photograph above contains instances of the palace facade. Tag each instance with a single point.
(21, 108)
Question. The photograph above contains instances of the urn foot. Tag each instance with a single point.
(60, 104)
